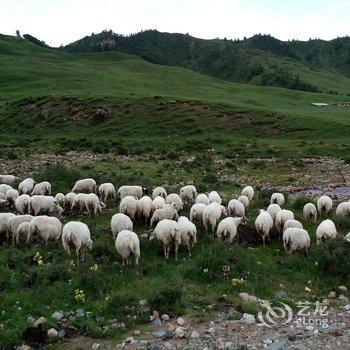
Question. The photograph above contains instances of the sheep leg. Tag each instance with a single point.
(165, 251)
(176, 249)
(189, 250)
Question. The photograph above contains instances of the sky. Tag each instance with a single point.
(63, 21)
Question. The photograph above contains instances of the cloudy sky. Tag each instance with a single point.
(63, 21)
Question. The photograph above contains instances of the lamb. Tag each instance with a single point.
(157, 203)
(4, 188)
(14, 222)
(76, 234)
(235, 208)
(8, 179)
(248, 191)
(175, 198)
(22, 204)
(45, 227)
(127, 243)
(26, 186)
(228, 227)
(187, 235)
(120, 222)
(214, 197)
(61, 199)
(11, 196)
(167, 212)
(70, 201)
(326, 229)
(144, 208)
(273, 209)
(22, 233)
(202, 198)
(277, 198)
(188, 192)
(264, 224)
(4, 222)
(165, 231)
(44, 205)
(196, 212)
(93, 204)
(281, 217)
(84, 186)
(310, 212)
(324, 205)
(343, 209)
(244, 200)
(42, 189)
(292, 223)
(296, 239)
(134, 191)
(128, 206)
(106, 190)
(212, 214)
(159, 191)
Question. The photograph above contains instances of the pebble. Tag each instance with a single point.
(179, 332)
(281, 294)
(157, 322)
(95, 346)
(30, 319)
(79, 313)
(347, 307)
(143, 302)
(332, 295)
(180, 321)
(58, 315)
(136, 333)
(343, 288)
(39, 321)
(52, 333)
(248, 318)
(344, 299)
(211, 330)
(61, 333)
(160, 334)
(130, 340)
(165, 317)
(248, 298)
(194, 334)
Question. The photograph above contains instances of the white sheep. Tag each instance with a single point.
(14, 222)
(76, 234)
(84, 186)
(8, 179)
(228, 227)
(326, 229)
(196, 212)
(214, 197)
(175, 198)
(22, 233)
(292, 223)
(273, 209)
(42, 189)
(128, 206)
(93, 204)
(11, 196)
(324, 205)
(61, 199)
(158, 203)
(4, 188)
(165, 231)
(187, 234)
(296, 239)
(22, 204)
(167, 212)
(44, 205)
(188, 193)
(80, 202)
(202, 198)
(343, 209)
(144, 208)
(248, 191)
(46, 228)
(70, 201)
(159, 191)
(235, 208)
(244, 200)
(264, 224)
(281, 217)
(26, 186)
(277, 198)
(120, 222)
(212, 214)
(4, 219)
(106, 190)
(310, 212)
(127, 243)
(134, 191)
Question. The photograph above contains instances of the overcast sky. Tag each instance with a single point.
(63, 21)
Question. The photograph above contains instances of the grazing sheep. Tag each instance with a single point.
(310, 212)
(22, 204)
(212, 214)
(202, 198)
(264, 224)
(134, 191)
(11, 196)
(296, 239)
(80, 202)
(159, 191)
(42, 189)
(76, 234)
(157, 203)
(61, 199)
(248, 191)
(22, 233)
(281, 217)
(188, 192)
(292, 223)
(144, 208)
(228, 227)
(26, 186)
(14, 222)
(84, 186)
(326, 229)
(175, 198)
(277, 198)
(244, 200)
(120, 222)
(46, 228)
(4, 188)
(165, 231)
(128, 206)
(196, 212)
(235, 208)
(325, 205)
(343, 209)
(93, 204)
(4, 222)
(167, 212)
(214, 197)
(44, 205)
(273, 209)
(8, 179)
(187, 235)
(106, 190)
(127, 243)
(347, 237)
(70, 201)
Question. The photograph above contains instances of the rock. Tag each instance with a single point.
(347, 307)
(343, 288)
(248, 298)
(276, 345)
(248, 318)
(136, 333)
(39, 321)
(171, 328)
(343, 299)
(143, 302)
(211, 330)
(130, 340)
(160, 334)
(332, 295)
(30, 319)
(154, 347)
(180, 321)
(79, 313)
(155, 314)
(95, 346)
(61, 333)
(179, 332)
(281, 294)
(58, 315)
(267, 341)
(168, 346)
(157, 322)
(52, 333)
(165, 317)
(194, 334)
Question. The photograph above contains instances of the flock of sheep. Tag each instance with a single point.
(38, 216)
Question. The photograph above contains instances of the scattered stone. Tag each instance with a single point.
(52, 333)
(168, 346)
(171, 328)
(30, 319)
(281, 294)
(95, 346)
(276, 345)
(39, 321)
(79, 313)
(343, 299)
(179, 332)
(332, 295)
(347, 307)
(137, 333)
(58, 315)
(157, 322)
(143, 302)
(129, 340)
(267, 341)
(165, 317)
(211, 330)
(248, 318)
(155, 314)
(249, 298)
(61, 333)
(160, 334)
(194, 334)
(343, 288)
(180, 321)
